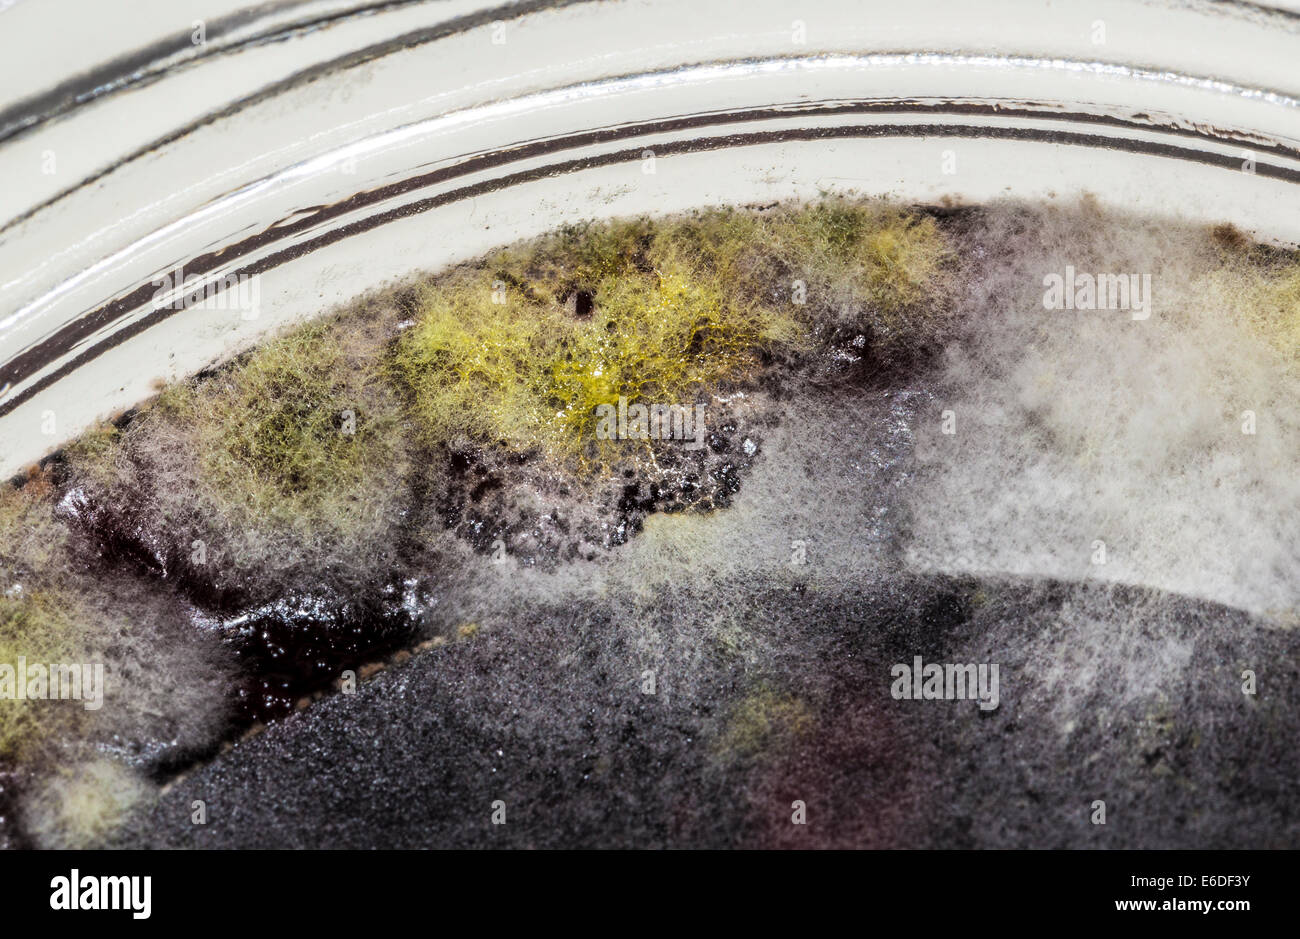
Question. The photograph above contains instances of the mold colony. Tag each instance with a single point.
(428, 459)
